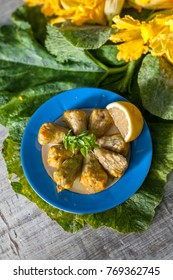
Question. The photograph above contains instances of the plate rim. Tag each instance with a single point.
(77, 196)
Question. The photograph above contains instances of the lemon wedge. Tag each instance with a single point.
(127, 118)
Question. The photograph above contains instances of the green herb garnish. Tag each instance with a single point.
(84, 141)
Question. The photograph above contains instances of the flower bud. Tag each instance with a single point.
(112, 8)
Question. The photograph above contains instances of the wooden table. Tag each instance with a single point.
(28, 233)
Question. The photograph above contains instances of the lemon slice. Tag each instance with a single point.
(127, 118)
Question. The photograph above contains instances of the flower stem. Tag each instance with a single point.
(129, 74)
(128, 68)
(99, 63)
(118, 69)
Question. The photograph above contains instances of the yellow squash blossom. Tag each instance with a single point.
(129, 34)
(137, 38)
(78, 11)
(161, 43)
(90, 11)
(152, 4)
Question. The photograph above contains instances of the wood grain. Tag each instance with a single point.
(28, 233)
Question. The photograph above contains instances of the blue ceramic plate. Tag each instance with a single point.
(125, 187)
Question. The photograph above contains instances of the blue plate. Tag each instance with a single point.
(125, 187)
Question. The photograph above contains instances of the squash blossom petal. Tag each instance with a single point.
(135, 38)
(129, 34)
(78, 11)
(91, 12)
(151, 4)
(161, 42)
(131, 50)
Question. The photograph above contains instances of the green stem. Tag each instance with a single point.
(128, 68)
(117, 69)
(109, 70)
(99, 63)
(129, 74)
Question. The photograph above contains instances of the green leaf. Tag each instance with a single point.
(86, 36)
(156, 86)
(82, 140)
(57, 44)
(108, 55)
(65, 142)
(26, 17)
(86, 141)
(84, 151)
(24, 63)
(83, 133)
(69, 132)
(72, 147)
(18, 108)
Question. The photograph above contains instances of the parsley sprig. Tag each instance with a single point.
(84, 141)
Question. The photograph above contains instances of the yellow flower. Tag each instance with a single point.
(90, 11)
(151, 4)
(161, 42)
(137, 38)
(78, 11)
(133, 45)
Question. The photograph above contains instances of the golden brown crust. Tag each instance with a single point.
(67, 173)
(100, 122)
(76, 119)
(51, 133)
(114, 163)
(57, 155)
(114, 143)
(93, 176)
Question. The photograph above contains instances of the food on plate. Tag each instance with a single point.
(51, 133)
(76, 119)
(91, 148)
(114, 163)
(57, 155)
(127, 118)
(68, 171)
(93, 177)
(114, 142)
(99, 122)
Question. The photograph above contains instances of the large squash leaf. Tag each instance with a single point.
(25, 63)
(86, 36)
(156, 86)
(134, 215)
